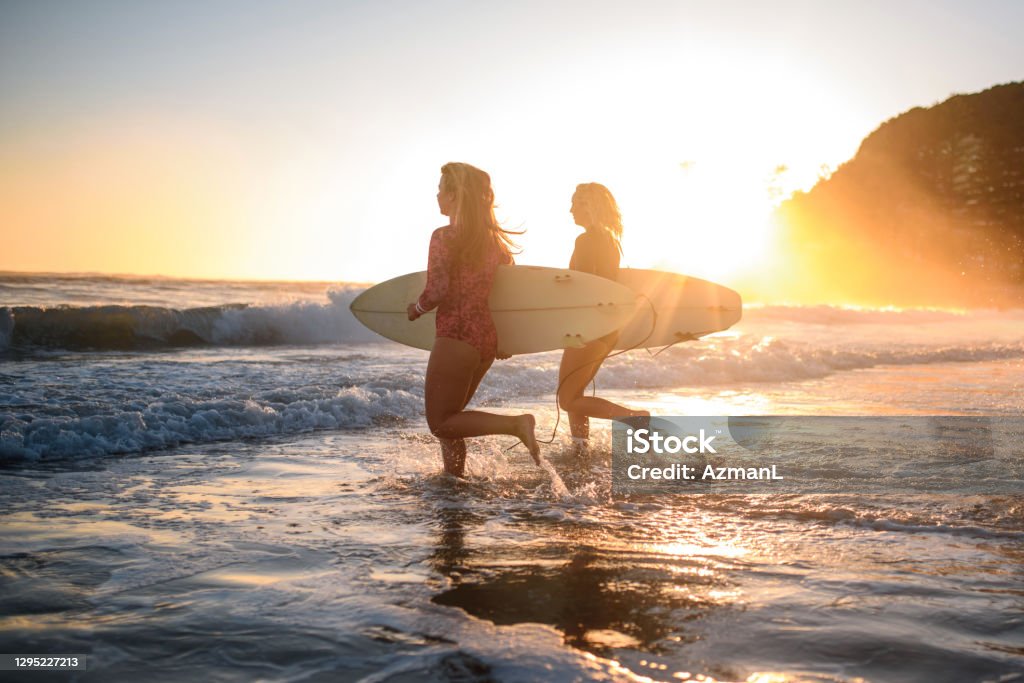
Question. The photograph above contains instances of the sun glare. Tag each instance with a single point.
(717, 226)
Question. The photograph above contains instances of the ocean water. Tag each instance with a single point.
(234, 482)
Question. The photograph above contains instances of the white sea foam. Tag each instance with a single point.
(58, 409)
(749, 358)
(295, 323)
(166, 423)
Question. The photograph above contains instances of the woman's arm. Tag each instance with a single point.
(438, 271)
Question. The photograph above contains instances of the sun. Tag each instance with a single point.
(719, 226)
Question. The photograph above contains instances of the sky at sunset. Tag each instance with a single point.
(303, 140)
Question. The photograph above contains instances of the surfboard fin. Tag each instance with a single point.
(573, 341)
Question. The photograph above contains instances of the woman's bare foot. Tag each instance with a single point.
(525, 426)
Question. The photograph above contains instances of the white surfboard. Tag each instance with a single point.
(686, 308)
(534, 309)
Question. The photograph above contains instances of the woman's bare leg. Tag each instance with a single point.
(579, 366)
(453, 374)
(453, 455)
(579, 423)
(478, 376)
(453, 451)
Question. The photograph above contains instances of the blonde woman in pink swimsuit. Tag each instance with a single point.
(461, 265)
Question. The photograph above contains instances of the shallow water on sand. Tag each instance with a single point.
(346, 556)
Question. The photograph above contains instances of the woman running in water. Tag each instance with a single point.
(463, 258)
(597, 251)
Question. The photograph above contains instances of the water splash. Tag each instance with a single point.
(558, 487)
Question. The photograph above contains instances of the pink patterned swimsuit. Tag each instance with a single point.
(460, 292)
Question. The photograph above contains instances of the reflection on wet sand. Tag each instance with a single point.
(601, 597)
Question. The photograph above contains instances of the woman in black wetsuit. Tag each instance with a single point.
(597, 251)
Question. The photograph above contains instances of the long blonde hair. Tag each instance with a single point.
(601, 208)
(474, 221)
